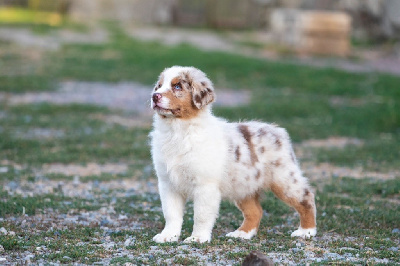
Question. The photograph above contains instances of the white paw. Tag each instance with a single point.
(198, 239)
(305, 233)
(242, 234)
(162, 238)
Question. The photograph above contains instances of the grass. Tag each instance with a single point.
(31, 205)
(29, 16)
(355, 216)
(40, 21)
(345, 210)
(65, 245)
(85, 139)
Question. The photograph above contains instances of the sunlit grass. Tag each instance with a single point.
(14, 15)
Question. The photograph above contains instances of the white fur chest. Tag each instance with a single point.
(188, 154)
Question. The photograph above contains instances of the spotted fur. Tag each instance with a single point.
(204, 158)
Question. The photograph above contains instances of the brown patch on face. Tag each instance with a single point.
(305, 208)
(244, 130)
(175, 81)
(295, 181)
(237, 153)
(182, 106)
(252, 213)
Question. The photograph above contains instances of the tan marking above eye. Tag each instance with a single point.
(175, 81)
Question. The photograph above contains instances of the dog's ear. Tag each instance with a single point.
(203, 94)
(202, 89)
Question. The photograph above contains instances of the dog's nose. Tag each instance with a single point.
(156, 97)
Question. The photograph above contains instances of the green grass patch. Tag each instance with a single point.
(40, 21)
(11, 243)
(358, 206)
(376, 155)
(19, 84)
(63, 246)
(84, 139)
(356, 214)
(365, 187)
(18, 205)
(29, 16)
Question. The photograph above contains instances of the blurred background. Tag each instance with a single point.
(306, 25)
(325, 70)
(76, 178)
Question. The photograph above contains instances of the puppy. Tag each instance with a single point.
(204, 158)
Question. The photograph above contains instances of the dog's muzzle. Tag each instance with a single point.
(156, 97)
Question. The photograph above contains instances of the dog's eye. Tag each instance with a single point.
(178, 87)
(159, 85)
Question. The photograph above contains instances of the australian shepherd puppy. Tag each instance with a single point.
(201, 157)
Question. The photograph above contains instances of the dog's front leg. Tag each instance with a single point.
(206, 199)
(173, 205)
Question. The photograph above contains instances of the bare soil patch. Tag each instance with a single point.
(332, 142)
(131, 122)
(89, 169)
(326, 170)
(54, 40)
(77, 189)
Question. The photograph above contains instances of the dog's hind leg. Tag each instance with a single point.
(301, 198)
(252, 213)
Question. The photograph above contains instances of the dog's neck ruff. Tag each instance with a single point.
(204, 115)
